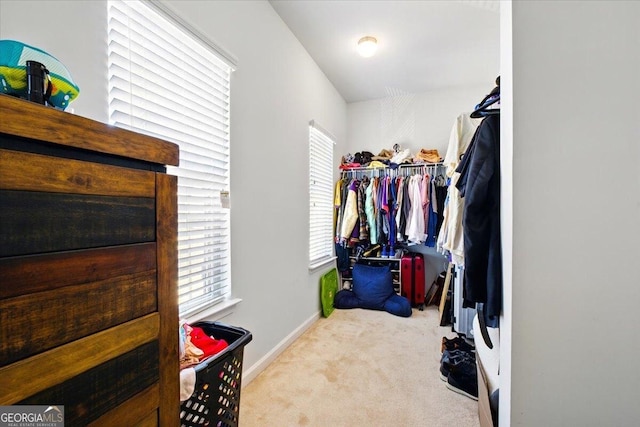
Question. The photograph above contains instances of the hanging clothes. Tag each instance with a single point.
(415, 220)
(381, 203)
(393, 194)
(350, 213)
(432, 215)
(406, 209)
(460, 137)
(340, 201)
(371, 214)
(424, 197)
(363, 228)
(378, 210)
(384, 210)
(398, 208)
(479, 186)
(441, 195)
(450, 237)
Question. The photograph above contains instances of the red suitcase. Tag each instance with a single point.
(412, 278)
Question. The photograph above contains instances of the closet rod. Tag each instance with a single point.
(433, 168)
(401, 166)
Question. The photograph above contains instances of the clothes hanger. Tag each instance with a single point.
(482, 109)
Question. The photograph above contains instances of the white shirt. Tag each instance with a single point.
(451, 237)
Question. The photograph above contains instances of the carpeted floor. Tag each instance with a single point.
(359, 368)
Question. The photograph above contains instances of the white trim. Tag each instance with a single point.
(226, 57)
(214, 312)
(507, 208)
(250, 374)
(321, 187)
(315, 125)
(322, 263)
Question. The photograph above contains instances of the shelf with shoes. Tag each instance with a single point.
(393, 262)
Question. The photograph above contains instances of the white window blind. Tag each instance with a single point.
(165, 82)
(320, 196)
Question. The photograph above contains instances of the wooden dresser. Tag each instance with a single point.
(88, 269)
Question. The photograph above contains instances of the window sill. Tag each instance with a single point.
(319, 264)
(215, 312)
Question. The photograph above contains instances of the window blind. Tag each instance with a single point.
(166, 83)
(320, 195)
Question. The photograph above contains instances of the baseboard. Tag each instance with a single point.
(250, 374)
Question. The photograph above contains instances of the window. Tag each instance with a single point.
(320, 196)
(166, 81)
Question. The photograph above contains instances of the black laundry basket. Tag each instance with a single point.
(216, 399)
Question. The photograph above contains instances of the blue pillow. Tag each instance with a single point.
(372, 285)
(398, 305)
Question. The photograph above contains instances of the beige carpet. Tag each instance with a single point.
(359, 368)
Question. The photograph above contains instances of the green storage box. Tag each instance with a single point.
(328, 289)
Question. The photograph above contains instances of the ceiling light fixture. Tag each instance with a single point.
(367, 46)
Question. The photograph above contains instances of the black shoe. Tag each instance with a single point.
(464, 383)
(457, 343)
(458, 353)
(456, 360)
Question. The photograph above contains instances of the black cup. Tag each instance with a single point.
(35, 82)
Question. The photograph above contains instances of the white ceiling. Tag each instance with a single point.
(423, 45)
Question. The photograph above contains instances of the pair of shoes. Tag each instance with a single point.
(457, 361)
(464, 383)
(457, 343)
(371, 250)
(458, 368)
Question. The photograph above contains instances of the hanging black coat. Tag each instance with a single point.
(479, 185)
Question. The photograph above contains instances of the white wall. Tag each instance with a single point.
(576, 214)
(276, 90)
(506, 206)
(75, 32)
(414, 121)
